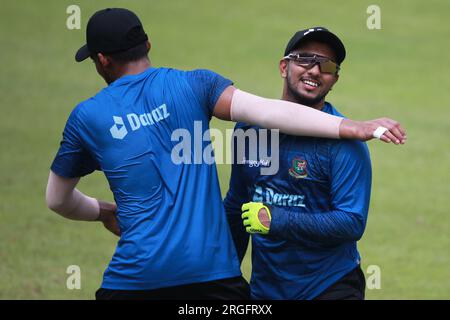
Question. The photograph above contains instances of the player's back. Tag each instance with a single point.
(173, 224)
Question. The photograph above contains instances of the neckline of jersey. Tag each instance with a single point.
(131, 77)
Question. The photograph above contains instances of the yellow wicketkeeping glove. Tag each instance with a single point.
(252, 217)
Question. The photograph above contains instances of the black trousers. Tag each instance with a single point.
(223, 289)
(350, 287)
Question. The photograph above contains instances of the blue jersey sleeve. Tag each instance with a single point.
(72, 159)
(207, 86)
(351, 177)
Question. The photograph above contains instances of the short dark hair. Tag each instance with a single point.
(129, 55)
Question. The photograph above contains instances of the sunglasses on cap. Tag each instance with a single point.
(326, 65)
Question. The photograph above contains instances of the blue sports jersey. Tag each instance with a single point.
(319, 201)
(171, 216)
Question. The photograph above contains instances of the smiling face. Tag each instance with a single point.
(308, 86)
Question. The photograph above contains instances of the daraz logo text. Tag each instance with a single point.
(135, 121)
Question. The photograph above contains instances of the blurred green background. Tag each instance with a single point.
(400, 71)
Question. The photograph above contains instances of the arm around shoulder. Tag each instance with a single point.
(300, 120)
(288, 117)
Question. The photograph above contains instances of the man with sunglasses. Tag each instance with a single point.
(306, 219)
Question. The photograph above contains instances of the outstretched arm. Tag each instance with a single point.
(296, 119)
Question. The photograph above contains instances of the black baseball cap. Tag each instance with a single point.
(320, 34)
(111, 30)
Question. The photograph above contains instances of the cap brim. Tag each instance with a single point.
(82, 54)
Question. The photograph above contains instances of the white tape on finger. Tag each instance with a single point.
(379, 132)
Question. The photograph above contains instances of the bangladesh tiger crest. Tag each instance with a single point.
(298, 169)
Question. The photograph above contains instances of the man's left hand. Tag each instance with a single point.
(256, 217)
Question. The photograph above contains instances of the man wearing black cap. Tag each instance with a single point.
(174, 240)
(305, 220)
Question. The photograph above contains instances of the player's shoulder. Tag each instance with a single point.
(331, 109)
(88, 109)
(169, 71)
(187, 72)
(91, 103)
(204, 75)
(201, 72)
(349, 148)
(192, 76)
(350, 144)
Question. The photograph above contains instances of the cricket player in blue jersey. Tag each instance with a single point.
(174, 239)
(306, 219)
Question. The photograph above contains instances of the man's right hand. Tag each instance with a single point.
(364, 130)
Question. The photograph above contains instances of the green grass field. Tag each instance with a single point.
(399, 71)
